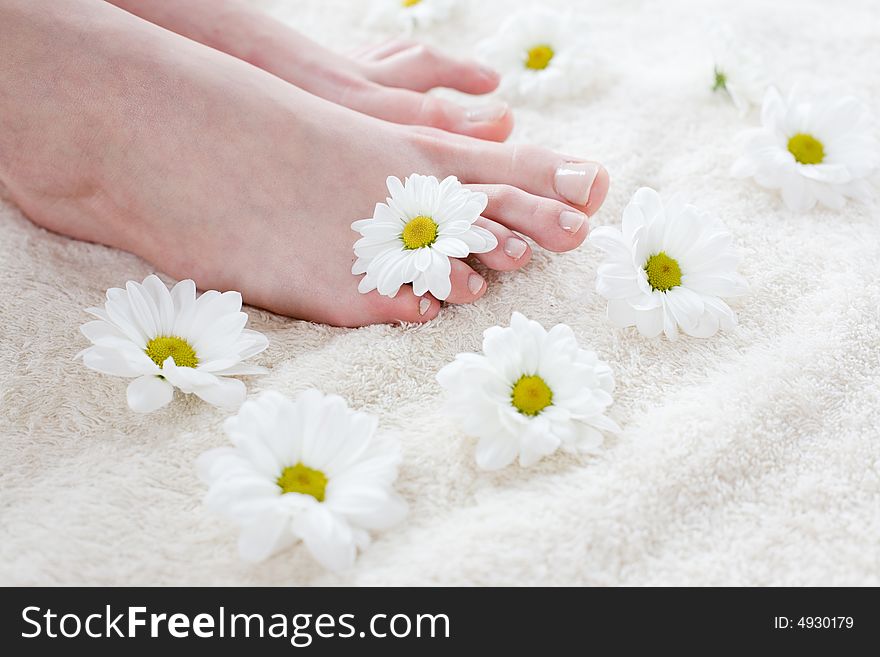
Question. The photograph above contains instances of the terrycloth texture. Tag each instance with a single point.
(749, 458)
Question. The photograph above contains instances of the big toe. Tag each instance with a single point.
(578, 182)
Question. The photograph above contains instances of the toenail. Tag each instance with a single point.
(475, 283)
(424, 304)
(487, 113)
(571, 221)
(574, 180)
(514, 247)
(488, 72)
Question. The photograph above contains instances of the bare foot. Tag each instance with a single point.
(387, 81)
(214, 170)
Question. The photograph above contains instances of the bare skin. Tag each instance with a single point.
(386, 81)
(116, 131)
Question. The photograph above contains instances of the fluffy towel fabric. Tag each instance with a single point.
(749, 458)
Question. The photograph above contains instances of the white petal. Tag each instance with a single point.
(496, 451)
(148, 393)
(828, 196)
(369, 507)
(121, 315)
(633, 220)
(250, 343)
(773, 110)
(650, 322)
(328, 539)
(164, 304)
(104, 334)
(422, 259)
(621, 313)
(611, 241)
(685, 306)
(143, 308)
(650, 203)
(536, 446)
(183, 295)
(438, 276)
(670, 326)
(705, 327)
(617, 287)
(796, 194)
(479, 240)
(262, 537)
(224, 393)
(242, 369)
(118, 361)
(452, 247)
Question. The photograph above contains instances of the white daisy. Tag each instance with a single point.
(167, 340)
(813, 151)
(739, 70)
(541, 54)
(668, 269)
(307, 469)
(529, 393)
(411, 238)
(408, 15)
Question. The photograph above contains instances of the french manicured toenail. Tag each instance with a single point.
(475, 283)
(424, 304)
(487, 113)
(514, 247)
(572, 221)
(574, 180)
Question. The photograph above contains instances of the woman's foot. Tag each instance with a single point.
(387, 81)
(213, 170)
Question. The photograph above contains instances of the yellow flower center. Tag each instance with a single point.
(806, 148)
(300, 478)
(163, 346)
(720, 81)
(538, 58)
(530, 395)
(420, 231)
(410, 3)
(663, 272)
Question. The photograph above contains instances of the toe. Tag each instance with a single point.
(420, 68)
(467, 285)
(490, 121)
(578, 182)
(512, 251)
(552, 224)
(376, 52)
(404, 307)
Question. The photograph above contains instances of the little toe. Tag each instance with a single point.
(467, 285)
(405, 306)
(552, 224)
(512, 251)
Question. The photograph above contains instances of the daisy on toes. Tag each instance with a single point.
(166, 340)
(412, 237)
(307, 469)
(812, 151)
(529, 393)
(668, 269)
